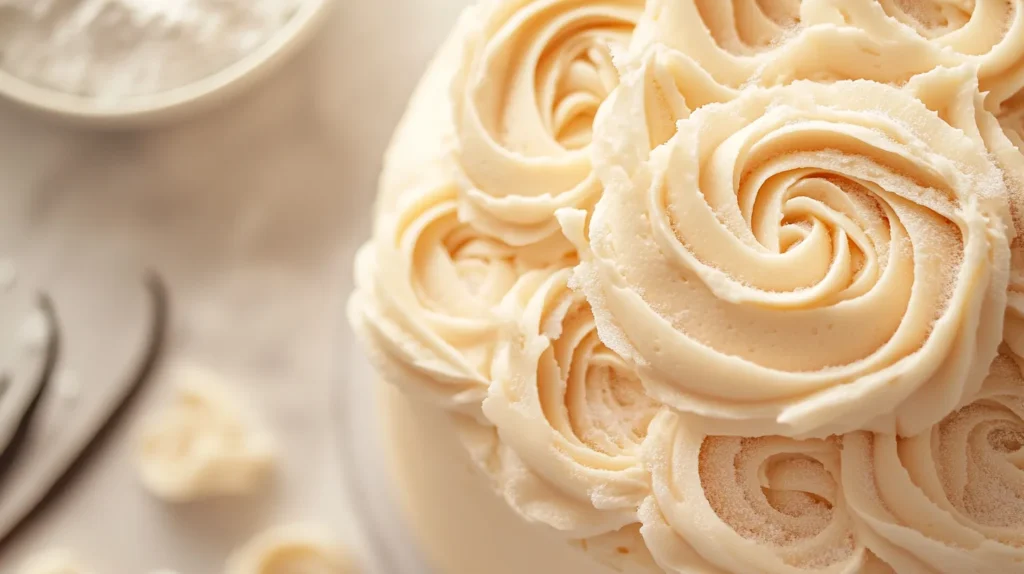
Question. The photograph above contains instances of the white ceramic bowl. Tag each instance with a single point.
(171, 105)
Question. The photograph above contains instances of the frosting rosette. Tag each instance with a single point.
(571, 413)
(731, 39)
(793, 258)
(767, 42)
(428, 289)
(951, 497)
(955, 94)
(533, 76)
(207, 442)
(659, 88)
(987, 33)
(735, 505)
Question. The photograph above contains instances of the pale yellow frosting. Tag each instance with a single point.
(533, 75)
(729, 504)
(571, 414)
(986, 33)
(952, 497)
(795, 257)
(428, 295)
(751, 42)
(785, 232)
(206, 442)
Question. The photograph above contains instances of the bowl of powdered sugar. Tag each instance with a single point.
(129, 62)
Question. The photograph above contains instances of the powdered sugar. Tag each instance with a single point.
(113, 49)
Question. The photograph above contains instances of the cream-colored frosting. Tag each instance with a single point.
(761, 225)
(292, 549)
(1012, 122)
(205, 443)
(570, 412)
(730, 504)
(731, 40)
(658, 89)
(795, 257)
(533, 75)
(953, 496)
(750, 42)
(428, 294)
(987, 33)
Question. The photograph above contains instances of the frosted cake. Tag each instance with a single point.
(720, 286)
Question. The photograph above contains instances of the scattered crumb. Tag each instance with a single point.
(206, 441)
(291, 549)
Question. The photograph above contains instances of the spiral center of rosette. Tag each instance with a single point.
(483, 265)
(1006, 440)
(745, 27)
(987, 485)
(609, 410)
(573, 78)
(480, 271)
(809, 215)
(555, 68)
(771, 491)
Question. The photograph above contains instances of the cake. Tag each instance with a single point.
(711, 286)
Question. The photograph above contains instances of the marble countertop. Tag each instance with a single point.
(252, 214)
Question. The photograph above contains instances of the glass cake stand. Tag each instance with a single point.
(391, 548)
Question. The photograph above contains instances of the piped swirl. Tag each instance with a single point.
(571, 411)
(428, 291)
(534, 74)
(951, 497)
(794, 257)
(985, 33)
(729, 504)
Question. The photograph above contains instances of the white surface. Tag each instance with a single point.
(252, 214)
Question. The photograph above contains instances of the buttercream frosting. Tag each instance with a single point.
(287, 549)
(731, 504)
(206, 442)
(797, 256)
(428, 294)
(675, 262)
(952, 497)
(747, 42)
(986, 33)
(533, 76)
(570, 412)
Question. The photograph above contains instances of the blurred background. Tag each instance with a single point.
(251, 213)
